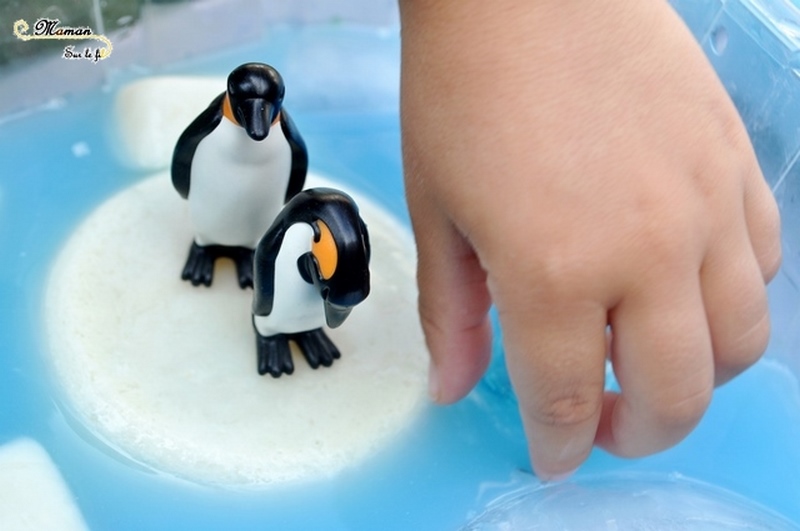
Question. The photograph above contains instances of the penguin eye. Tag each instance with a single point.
(324, 250)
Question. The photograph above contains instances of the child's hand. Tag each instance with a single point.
(579, 164)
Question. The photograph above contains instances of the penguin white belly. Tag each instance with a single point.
(297, 305)
(238, 185)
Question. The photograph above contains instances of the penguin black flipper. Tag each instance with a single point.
(264, 266)
(297, 177)
(182, 155)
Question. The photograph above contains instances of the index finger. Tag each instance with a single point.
(555, 354)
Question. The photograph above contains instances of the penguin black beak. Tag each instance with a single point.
(256, 115)
(335, 314)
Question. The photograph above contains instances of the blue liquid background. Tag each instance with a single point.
(437, 474)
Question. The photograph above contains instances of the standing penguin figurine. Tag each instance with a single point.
(237, 168)
(311, 268)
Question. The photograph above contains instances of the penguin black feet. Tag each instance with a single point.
(243, 258)
(199, 268)
(317, 347)
(274, 355)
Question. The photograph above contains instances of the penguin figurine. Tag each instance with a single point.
(237, 168)
(310, 269)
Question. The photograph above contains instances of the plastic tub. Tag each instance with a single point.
(460, 466)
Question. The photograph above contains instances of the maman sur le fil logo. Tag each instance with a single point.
(51, 29)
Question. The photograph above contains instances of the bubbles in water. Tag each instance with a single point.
(719, 40)
(626, 502)
(81, 149)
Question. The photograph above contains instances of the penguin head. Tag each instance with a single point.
(338, 263)
(255, 93)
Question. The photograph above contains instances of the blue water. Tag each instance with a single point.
(438, 474)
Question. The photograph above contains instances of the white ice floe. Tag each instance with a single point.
(166, 372)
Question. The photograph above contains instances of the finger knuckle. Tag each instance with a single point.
(681, 413)
(667, 240)
(567, 409)
(744, 350)
(765, 234)
(770, 257)
(554, 275)
(770, 263)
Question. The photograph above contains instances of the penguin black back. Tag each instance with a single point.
(349, 283)
(255, 94)
(184, 151)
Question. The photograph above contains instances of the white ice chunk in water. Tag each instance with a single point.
(152, 113)
(33, 495)
(166, 372)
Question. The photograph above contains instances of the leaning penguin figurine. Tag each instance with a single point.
(310, 269)
(237, 164)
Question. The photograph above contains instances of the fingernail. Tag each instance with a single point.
(558, 478)
(433, 382)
